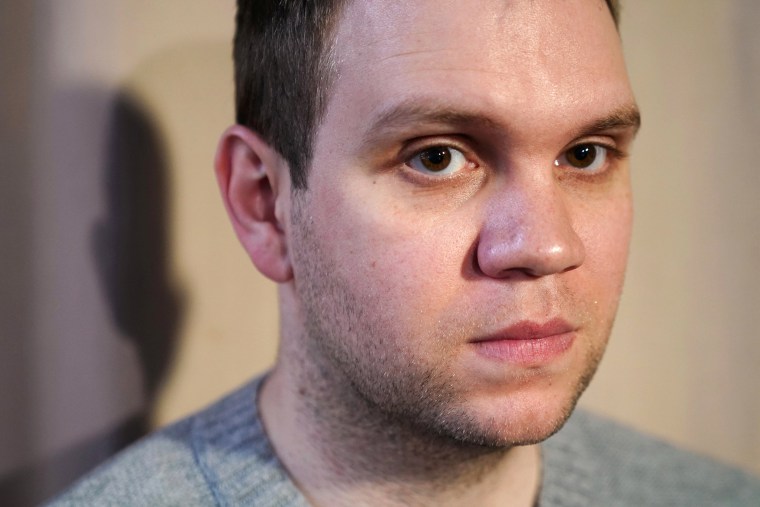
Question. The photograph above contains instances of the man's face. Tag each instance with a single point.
(459, 253)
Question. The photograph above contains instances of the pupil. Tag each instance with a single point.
(436, 159)
(582, 152)
(583, 156)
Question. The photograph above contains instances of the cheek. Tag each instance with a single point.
(612, 237)
(606, 234)
(401, 264)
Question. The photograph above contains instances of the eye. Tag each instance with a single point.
(438, 160)
(586, 157)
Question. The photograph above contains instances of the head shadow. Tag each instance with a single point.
(131, 242)
(132, 260)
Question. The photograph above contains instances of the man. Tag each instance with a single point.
(441, 190)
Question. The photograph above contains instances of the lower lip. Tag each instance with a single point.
(534, 351)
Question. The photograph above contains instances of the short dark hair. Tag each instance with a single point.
(284, 69)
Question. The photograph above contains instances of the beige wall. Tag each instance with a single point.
(100, 81)
(685, 358)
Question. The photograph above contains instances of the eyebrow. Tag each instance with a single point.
(414, 112)
(626, 117)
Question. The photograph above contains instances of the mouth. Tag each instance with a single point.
(528, 343)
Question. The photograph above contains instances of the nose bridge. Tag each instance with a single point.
(529, 229)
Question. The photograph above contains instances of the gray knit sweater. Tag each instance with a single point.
(221, 456)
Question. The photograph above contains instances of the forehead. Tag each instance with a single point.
(540, 58)
(479, 30)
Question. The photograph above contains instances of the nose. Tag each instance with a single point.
(528, 231)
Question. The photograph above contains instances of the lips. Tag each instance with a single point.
(528, 343)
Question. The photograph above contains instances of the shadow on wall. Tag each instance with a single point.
(130, 247)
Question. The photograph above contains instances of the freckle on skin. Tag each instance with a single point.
(373, 263)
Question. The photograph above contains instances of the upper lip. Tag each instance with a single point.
(530, 330)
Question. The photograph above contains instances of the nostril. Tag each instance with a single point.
(570, 268)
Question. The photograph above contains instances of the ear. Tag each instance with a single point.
(255, 183)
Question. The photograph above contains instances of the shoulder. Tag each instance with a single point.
(594, 458)
(160, 469)
(220, 456)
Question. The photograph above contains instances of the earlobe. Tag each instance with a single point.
(255, 186)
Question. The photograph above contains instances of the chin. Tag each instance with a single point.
(518, 427)
(498, 420)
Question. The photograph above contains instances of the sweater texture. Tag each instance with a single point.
(222, 457)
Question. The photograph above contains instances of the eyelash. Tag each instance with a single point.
(416, 150)
(611, 153)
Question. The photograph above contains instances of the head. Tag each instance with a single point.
(454, 253)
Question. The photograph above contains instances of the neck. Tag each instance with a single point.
(341, 450)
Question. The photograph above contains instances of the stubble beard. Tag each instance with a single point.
(367, 385)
